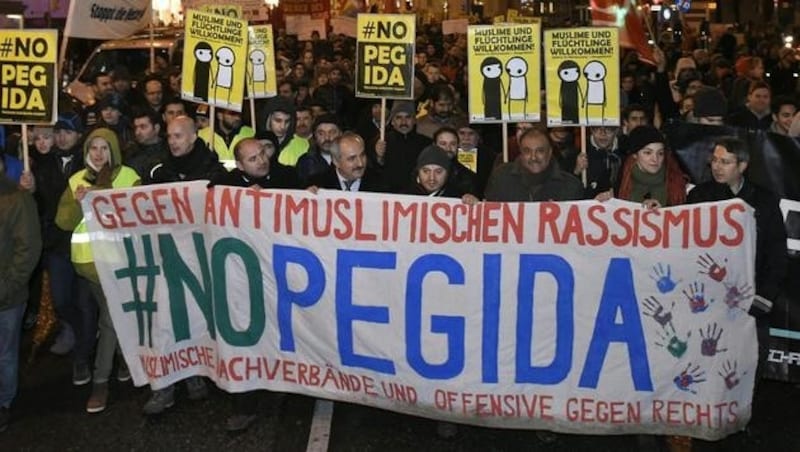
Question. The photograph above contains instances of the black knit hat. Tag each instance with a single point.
(326, 119)
(642, 136)
(709, 102)
(433, 155)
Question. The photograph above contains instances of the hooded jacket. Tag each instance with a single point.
(112, 175)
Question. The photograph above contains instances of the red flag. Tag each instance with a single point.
(623, 14)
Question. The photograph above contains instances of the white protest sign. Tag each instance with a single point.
(574, 317)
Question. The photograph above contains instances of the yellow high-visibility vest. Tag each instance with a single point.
(80, 244)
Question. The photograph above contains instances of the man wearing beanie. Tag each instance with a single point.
(710, 107)
(398, 154)
(318, 158)
(432, 174)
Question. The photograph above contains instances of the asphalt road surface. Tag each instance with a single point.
(49, 415)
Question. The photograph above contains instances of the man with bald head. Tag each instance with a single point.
(255, 169)
(349, 171)
(189, 157)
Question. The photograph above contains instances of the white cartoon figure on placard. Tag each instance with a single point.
(259, 71)
(570, 96)
(595, 73)
(203, 53)
(225, 60)
(493, 90)
(517, 69)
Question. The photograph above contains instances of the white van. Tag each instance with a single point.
(132, 53)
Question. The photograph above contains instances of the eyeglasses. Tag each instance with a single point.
(723, 162)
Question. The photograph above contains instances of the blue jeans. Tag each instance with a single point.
(10, 333)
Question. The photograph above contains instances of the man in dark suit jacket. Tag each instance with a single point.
(349, 171)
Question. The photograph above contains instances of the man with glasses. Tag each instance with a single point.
(729, 161)
(601, 162)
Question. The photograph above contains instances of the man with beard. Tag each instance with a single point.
(349, 171)
(318, 158)
(397, 155)
(228, 130)
(280, 130)
(304, 120)
(148, 148)
(534, 176)
(440, 112)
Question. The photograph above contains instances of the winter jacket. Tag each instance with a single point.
(21, 244)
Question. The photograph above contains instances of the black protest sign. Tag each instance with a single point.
(385, 56)
(28, 76)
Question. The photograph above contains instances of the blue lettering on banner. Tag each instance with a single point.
(618, 300)
(491, 316)
(618, 295)
(347, 313)
(281, 257)
(451, 326)
(558, 369)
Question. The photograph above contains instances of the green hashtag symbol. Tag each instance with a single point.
(133, 272)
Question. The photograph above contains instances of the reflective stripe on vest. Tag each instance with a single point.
(81, 248)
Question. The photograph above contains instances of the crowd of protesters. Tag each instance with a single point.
(317, 134)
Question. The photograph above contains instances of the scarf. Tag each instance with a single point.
(649, 186)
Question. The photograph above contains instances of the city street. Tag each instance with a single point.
(49, 415)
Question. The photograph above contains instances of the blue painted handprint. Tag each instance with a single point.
(688, 378)
(663, 278)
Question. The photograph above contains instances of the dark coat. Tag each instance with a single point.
(51, 172)
(21, 245)
(771, 257)
(511, 182)
(200, 163)
(311, 164)
(401, 158)
(280, 176)
(143, 158)
(371, 182)
(746, 119)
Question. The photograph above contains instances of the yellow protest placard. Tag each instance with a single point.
(385, 55)
(261, 63)
(28, 81)
(234, 11)
(504, 72)
(511, 14)
(214, 60)
(582, 76)
(499, 19)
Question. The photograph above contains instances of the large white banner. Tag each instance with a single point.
(584, 317)
(108, 19)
